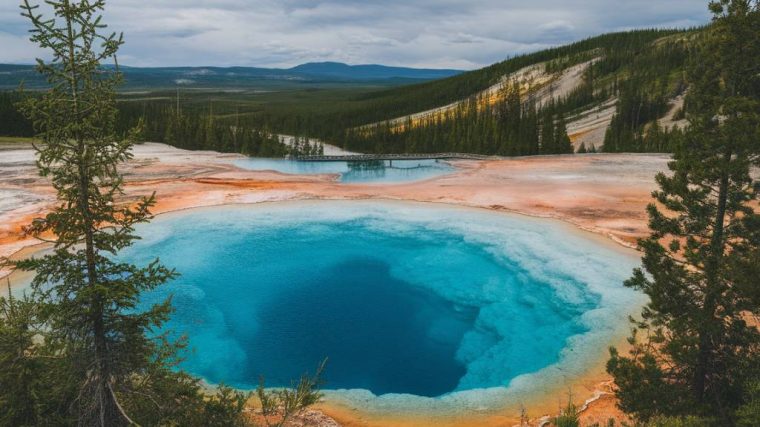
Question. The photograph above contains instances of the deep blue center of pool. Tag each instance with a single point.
(411, 309)
(374, 329)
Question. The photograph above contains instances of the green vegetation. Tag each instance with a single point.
(78, 349)
(652, 81)
(398, 102)
(16, 140)
(511, 127)
(488, 130)
(695, 352)
(643, 68)
(197, 131)
(12, 122)
(569, 417)
(278, 406)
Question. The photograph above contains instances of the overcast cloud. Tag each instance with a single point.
(417, 33)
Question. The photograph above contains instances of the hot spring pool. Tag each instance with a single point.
(387, 172)
(414, 305)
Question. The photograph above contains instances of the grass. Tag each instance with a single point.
(16, 140)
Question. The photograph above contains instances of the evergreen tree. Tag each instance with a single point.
(562, 142)
(748, 415)
(30, 379)
(17, 359)
(529, 137)
(548, 145)
(78, 350)
(88, 300)
(699, 354)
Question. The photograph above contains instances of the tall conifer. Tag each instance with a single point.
(698, 354)
(89, 300)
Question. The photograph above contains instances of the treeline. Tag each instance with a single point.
(642, 69)
(303, 146)
(407, 100)
(12, 122)
(329, 121)
(160, 121)
(654, 79)
(642, 75)
(512, 127)
(196, 130)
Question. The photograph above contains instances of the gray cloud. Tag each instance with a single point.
(429, 33)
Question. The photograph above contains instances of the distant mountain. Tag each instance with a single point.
(324, 73)
(371, 71)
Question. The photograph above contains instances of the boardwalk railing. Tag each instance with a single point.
(377, 157)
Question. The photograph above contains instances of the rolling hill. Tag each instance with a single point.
(370, 72)
(242, 78)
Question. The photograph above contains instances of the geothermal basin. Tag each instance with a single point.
(419, 308)
(422, 260)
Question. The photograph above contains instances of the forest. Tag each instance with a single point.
(642, 75)
(642, 69)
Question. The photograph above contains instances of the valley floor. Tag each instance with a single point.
(603, 193)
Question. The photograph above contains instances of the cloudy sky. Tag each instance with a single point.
(461, 34)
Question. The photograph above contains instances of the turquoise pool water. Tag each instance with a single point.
(360, 172)
(403, 299)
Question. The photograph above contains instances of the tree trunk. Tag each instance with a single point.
(712, 289)
(105, 409)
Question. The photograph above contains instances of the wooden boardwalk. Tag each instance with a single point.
(391, 157)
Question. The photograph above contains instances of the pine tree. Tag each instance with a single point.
(561, 139)
(548, 145)
(87, 299)
(698, 354)
(20, 385)
(18, 361)
(654, 138)
(77, 350)
(169, 136)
